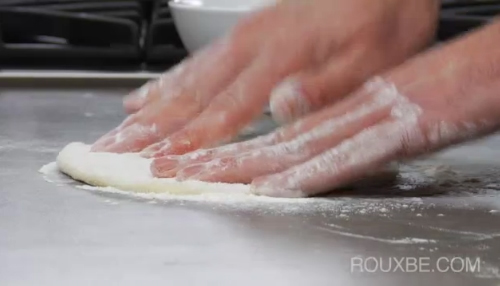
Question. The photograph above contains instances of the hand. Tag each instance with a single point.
(297, 55)
(440, 98)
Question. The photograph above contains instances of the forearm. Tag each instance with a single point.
(457, 85)
(460, 66)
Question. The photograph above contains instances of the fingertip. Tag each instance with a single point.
(102, 144)
(189, 172)
(164, 164)
(176, 145)
(108, 138)
(133, 104)
(152, 150)
(134, 139)
(159, 170)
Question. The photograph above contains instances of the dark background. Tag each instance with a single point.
(135, 34)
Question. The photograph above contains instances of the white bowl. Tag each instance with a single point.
(200, 22)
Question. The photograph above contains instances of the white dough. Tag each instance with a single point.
(130, 172)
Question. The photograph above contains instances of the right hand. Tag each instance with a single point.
(443, 97)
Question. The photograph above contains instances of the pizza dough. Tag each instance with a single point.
(130, 172)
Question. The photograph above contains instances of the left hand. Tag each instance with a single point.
(297, 56)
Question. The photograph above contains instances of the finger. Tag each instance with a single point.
(243, 168)
(355, 156)
(276, 158)
(182, 102)
(132, 138)
(203, 155)
(367, 101)
(313, 90)
(120, 143)
(239, 104)
(225, 116)
(109, 138)
(152, 149)
(172, 82)
(168, 166)
(336, 167)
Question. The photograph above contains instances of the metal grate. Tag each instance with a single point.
(136, 33)
(463, 16)
(87, 33)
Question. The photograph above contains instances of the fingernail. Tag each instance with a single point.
(104, 140)
(150, 151)
(147, 154)
(175, 147)
(158, 171)
(288, 102)
(160, 149)
(165, 164)
(190, 172)
(200, 155)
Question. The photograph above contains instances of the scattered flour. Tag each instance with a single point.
(329, 206)
(341, 207)
(405, 240)
(49, 169)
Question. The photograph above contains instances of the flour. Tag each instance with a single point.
(51, 174)
(49, 168)
(204, 197)
(234, 196)
(405, 240)
(119, 137)
(338, 209)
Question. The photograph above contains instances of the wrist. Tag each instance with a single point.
(456, 85)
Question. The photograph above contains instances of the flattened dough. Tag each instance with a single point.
(130, 172)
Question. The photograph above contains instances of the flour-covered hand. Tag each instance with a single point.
(443, 97)
(296, 56)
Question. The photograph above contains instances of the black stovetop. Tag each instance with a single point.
(134, 34)
(103, 34)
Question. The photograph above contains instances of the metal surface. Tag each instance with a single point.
(60, 235)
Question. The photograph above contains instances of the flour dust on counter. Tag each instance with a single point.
(130, 172)
(128, 175)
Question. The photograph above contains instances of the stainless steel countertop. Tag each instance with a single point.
(60, 235)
